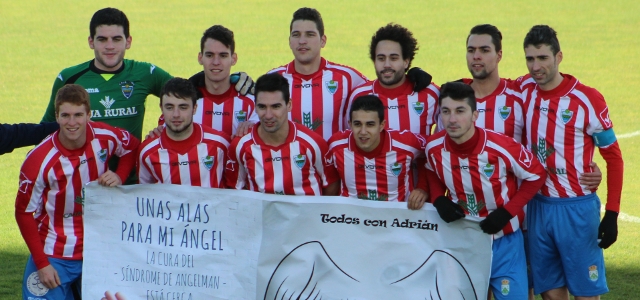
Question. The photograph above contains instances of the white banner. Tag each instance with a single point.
(182, 242)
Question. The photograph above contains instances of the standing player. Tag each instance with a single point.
(49, 204)
(184, 153)
(219, 105)
(392, 50)
(319, 88)
(279, 156)
(565, 122)
(480, 169)
(375, 163)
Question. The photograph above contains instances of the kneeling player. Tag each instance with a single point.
(375, 163)
(184, 153)
(480, 169)
(49, 204)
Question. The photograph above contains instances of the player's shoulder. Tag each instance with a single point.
(436, 139)
(40, 151)
(523, 83)
(363, 90)
(406, 137)
(142, 67)
(305, 134)
(339, 139)
(72, 71)
(105, 131)
(209, 133)
(281, 69)
(346, 70)
(588, 91)
(500, 140)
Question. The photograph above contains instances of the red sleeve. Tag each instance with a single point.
(615, 169)
(29, 230)
(527, 190)
(232, 168)
(436, 187)
(128, 161)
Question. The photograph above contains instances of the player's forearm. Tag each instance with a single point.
(436, 187)
(29, 230)
(525, 192)
(125, 165)
(615, 170)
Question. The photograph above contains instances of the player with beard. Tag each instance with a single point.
(185, 152)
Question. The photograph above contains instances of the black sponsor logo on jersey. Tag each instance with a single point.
(396, 107)
(458, 167)
(280, 158)
(127, 88)
(545, 109)
(369, 167)
(217, 113)
(184, 163)
(306, 85)
(485, 110)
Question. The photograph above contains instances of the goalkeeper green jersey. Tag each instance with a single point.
(118, 97)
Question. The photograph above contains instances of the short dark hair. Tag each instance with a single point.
(179, 88)
(109, 16)
(496, 35)
(74, 94)
(542, 34)
(458, 91)
(308, 14)
(273, 82)
(368, 103)
(398, 34)
(220, 34)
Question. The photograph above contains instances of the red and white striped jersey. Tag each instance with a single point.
(318, 100)
(560, 124)
(223, 112)
(197, 161)
(405, 109)
(486, 179)
(51, 182)
(297, 167)
(384, 175)
(502, 111)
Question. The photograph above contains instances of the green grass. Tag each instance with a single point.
(599, 42)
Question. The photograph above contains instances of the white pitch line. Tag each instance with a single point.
(626, 217)
(628, 135)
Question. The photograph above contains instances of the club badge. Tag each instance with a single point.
(300, 160)
(396, 168)
(207, 161)
(332, 86)
(241, 116)
(418, 107)
(102, 155)
(505, 111)
(488, 170)
(566, 116)
(127, 88)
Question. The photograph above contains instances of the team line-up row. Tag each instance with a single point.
(289, 139)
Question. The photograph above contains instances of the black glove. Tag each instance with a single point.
(197, 79)
(244, 83)
(419, 77)
(608, 230)
(448, 210)
(495, 221)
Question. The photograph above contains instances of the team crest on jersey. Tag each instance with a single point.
(396, 168)
(127, 88)
(566, 116)
(102, 155)
(207, 161)
(36, 287)
(241, 116)
(593, 273)
(107, 102)
(418, 107)
(332, 86)
(505, 111)
(471, 205)
(488, 170)
(300, 160)
(504, 288)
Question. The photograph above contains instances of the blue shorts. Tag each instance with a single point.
(563, 245)
(509, 268)
(69, 272)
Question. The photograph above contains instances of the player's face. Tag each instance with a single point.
(178, 114)
(305, 41)
(73, 125)
(543, 65)
(109, 45)
(217, 59)
(482, 58)
(272, 110)
(458, 119)
(366, 127)
(390, 67)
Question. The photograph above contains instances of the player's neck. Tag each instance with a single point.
(274, 139)
(104, 68)
(72, 144)
(553, 83)
(465, 137)
(485, 87)
(217, 88)
(307, 68)
(180, 136)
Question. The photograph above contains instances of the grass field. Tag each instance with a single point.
(599, 42)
